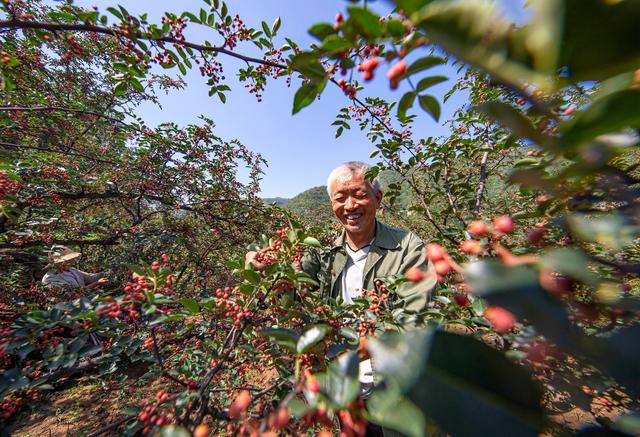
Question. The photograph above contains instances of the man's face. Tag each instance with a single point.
(354, 203)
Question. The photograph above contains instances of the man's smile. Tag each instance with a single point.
(353, 217)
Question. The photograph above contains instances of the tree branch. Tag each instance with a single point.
(77, 27)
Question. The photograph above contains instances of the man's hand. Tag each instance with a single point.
(250, 258)
(363, 352)
(99, 282)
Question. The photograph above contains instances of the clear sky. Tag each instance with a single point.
(302, 149)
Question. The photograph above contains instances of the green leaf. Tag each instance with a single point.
(305, 95)
(395, 27)
(286, 338)
(613, 230)
(307, 64)
(182, 68)
(298, 408)
(429, 81)
(517, 289)
(424, 63)
(341, 382)
(430, 105)
(310, 241)
(322, 30)
(570, 262)
(115, 12)
(265, 28)
(252, 276)
(514, 120)
(406, 102)
(310, 337)
(494, 395)
(411, 6)
(391, 410)
(449, 376)
(610, 113)
(173, 431)
(365, 22)
(611, 48)
(191, 305)
(275, 26)
(398, 356)
(135, 83)
(336, 43)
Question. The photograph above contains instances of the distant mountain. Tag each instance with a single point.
(279, 201)
(312, 206)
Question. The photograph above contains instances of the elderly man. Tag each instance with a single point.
(367, 250)
(63, 259)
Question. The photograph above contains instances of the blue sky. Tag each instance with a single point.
(300, 150)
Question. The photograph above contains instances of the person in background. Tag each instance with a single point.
(63, 273)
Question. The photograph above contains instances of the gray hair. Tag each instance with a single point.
(352, 167)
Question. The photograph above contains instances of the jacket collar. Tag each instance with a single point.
(384, 238)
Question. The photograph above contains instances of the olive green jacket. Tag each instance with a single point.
(392, 252)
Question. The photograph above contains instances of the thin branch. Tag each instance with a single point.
(61, 152)
(56, 27)
(58, 109)
(110, 241)
(481, 183)
(111, 426)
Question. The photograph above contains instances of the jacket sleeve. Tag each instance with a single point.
(89, 278)
(414, 296)
(311, 263)
(53, 281)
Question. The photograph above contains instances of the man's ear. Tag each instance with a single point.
(378, 198)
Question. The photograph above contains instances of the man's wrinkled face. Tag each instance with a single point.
(354, 203)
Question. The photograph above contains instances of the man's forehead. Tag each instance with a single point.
(350, 181)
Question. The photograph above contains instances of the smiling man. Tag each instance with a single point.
(368, 250)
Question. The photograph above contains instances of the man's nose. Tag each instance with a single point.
(350, 203)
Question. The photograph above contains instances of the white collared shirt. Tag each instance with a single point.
(352, 281)
(353, 273)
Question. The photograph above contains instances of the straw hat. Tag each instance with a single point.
(60, 254)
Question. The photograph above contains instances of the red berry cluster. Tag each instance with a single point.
(8, 186)
(377, 297)
(234, 32)
(176, 27)
(230, 309)
(212, 69)
(151, 416)
(440, 258)
(348, 89)
(14, 401)
(396, 72)
(368, 67)
(267, 256)
(352, 425)
(319, 417)
(74, 49)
